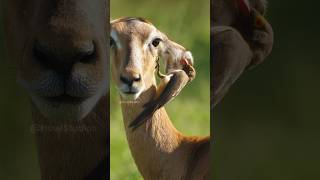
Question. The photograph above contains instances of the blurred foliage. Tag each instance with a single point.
(267, 127)
(188, 23)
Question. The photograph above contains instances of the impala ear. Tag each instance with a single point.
(172, 53)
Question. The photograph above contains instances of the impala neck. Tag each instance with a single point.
(72, 150)
(156, 145)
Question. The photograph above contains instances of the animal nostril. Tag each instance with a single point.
(130, 80)
(126, 80)
(44, 56)
(88, 54)
(137, 78)
(59, 58)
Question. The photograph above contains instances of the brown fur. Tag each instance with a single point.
(159, 149)
(162, 152)
(72, 150)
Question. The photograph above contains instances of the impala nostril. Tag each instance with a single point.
(61, 58)
(137, 78)
(88, 54)
(130, 80)
(126, 80)
(46, 58)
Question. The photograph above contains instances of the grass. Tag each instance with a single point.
(188, 23)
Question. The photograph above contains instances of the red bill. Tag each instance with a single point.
(244, 7)
(184, 62)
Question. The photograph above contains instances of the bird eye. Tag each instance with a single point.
(156, 42)
(112, 42)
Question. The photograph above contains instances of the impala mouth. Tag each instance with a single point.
(130, 92)
(65, 99)
(65, 107)
(130, 95)
(62, 100)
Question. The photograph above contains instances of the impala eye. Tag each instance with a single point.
(112, 42)
(156, 42)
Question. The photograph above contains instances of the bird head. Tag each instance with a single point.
(188, 68)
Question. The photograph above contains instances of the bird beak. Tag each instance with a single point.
(244, 7)
(184, 62)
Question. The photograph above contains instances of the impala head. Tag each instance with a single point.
(59, 48)
(136, 45)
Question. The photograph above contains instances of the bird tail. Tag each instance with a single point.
(145, 115)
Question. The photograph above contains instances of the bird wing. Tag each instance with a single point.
(231, 57)
(176, 83)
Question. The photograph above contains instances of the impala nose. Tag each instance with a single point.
(129, 80)
(62, 58)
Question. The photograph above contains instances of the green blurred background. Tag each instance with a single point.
(268, 126)
(188, 23)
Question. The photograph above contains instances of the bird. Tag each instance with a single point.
(241, 39)
(170, 86)
(257, 32)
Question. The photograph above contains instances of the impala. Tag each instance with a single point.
(159, 150)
